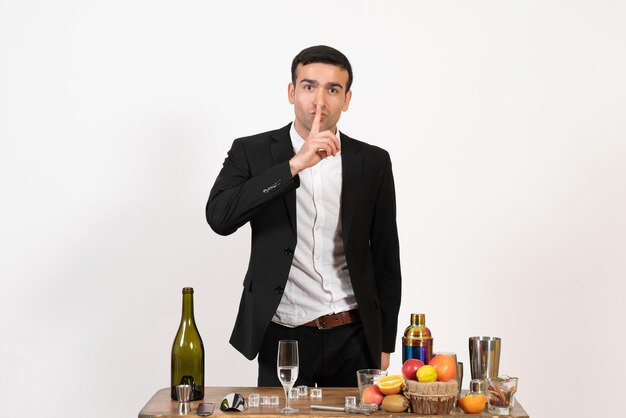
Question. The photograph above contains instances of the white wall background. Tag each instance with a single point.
(504, 119)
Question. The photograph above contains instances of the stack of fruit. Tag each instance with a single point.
(428, 388)
(431, 388)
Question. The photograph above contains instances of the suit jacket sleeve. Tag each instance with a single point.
(241, 189)
(386, 253)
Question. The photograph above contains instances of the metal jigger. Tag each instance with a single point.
(184, 394)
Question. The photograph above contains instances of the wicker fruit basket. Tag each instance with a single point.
(432, 398)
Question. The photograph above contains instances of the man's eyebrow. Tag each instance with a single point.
(308, 80)
(331, 84)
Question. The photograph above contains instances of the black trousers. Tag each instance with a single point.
(328, 358)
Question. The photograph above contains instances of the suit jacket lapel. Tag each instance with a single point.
(282, 150)
(352, 166)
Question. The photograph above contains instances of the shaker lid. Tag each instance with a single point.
(418, 319)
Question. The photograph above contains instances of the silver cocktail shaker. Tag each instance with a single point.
(484, 357)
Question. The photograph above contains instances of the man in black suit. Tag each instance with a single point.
(324, 264)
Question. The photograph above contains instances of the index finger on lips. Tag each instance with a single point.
(315, 127)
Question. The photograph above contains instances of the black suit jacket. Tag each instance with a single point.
(255, 185)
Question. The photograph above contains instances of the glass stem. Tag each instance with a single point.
(286, 398)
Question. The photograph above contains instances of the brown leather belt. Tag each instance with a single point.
(334, 320)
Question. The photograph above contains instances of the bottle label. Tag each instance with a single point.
(423, 353)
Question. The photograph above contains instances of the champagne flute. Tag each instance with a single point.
(287, 368)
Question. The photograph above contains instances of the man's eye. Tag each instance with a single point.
(333, 90)
(308, 87)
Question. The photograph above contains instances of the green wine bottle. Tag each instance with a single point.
(188, 352)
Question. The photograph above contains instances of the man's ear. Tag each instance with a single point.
(346, 102)
(291, 93)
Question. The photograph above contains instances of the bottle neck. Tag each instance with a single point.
(187, 315)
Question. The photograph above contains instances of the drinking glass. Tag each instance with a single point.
(459, 376)
(368, 377)
(287, 368)
(501, 394)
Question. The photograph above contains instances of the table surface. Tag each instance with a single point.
(162, 406)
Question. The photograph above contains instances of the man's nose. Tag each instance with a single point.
(320, 98)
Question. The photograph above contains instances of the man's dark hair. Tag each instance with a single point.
(325, 55)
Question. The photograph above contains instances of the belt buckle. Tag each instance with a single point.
(320, 326)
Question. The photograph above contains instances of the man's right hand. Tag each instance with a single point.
(317, 146)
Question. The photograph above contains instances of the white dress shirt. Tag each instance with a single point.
(319, 282)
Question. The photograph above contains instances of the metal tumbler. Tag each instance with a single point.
(484, 357)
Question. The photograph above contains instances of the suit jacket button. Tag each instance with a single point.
(279, 289)
(288, 251)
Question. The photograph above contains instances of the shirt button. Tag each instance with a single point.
(288, 251)
(279, 289)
